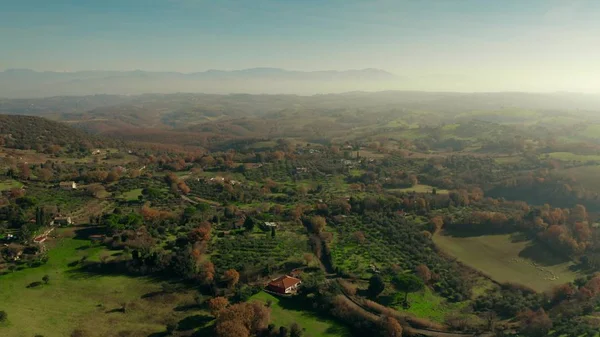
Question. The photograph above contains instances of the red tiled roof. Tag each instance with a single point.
(284, 282)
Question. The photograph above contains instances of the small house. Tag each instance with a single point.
(68, 185)
(269, 225)
(61, 221)
(284, 285)
(217, 179)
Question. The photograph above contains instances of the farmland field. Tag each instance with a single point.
(568, 156)
(74, 300)
(132, 195)
(507, 260)
(6, 185)
(586, 176)
(419, 189)
(285, 311)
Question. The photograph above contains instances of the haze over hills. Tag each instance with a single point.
(21, 83)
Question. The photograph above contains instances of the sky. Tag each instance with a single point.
(532, 45)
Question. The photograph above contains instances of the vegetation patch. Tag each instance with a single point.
(506, 259)
(419, 189)
(286, 311)
(73, 300)
(9, 184)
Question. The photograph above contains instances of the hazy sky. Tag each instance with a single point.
(534, 45)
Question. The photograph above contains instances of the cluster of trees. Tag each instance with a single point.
(562, 309)
(45, 136)
(241, 319)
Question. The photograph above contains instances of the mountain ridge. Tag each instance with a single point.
(27, 83)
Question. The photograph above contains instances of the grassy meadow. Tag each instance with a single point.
(132, 195)
(506, 259)
(286, 311)
(90, 303)
(6, 185)
(419, 189)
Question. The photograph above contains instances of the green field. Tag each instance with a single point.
(426, 304)
(74, 300)
(132, 195)
(6, 185)
(507, 260)
(418, 189)
(285, 311)
(568, 156)
(585, 176)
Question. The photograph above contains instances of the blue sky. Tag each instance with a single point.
(543, 44)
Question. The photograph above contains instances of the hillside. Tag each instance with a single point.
(29, 132)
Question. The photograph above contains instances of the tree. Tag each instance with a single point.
(206, 273)
(424, 273)
(24, 171)
(283, 332)
(437, 223)
(535, 323)
(200, 233)
(317, 224)
(46, 279)
(44, 174)
(249, 224)
(244, 318)
(170, 328)
(390, 327)
(233, 328)
(295, 330)
(232, 277)
(376, 285)
(217, 304)
(3, 316)
(408, 283)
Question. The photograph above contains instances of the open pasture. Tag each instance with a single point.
(286, 311)
(506, 258)
(92, 303)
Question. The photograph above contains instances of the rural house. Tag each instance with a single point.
(68, 185)
(61, 221)
(269, 225)
(284, 285)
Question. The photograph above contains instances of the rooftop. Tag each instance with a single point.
(284, 282)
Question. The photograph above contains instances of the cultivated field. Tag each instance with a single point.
(419, 189)
(285, 311)
(507, 260)
(6, 185)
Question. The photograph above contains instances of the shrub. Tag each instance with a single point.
(34, 284)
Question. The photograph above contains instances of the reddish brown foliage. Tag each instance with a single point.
(243, 318)
(390, 327)
(535, 323)
(423, 272)
(232, 277)
(217, 304)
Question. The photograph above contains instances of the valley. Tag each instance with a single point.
(160, 215)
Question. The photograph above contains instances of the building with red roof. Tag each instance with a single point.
(284, 285)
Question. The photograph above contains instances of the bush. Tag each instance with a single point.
(34, 284)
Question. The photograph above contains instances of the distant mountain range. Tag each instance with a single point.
(22, 83)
